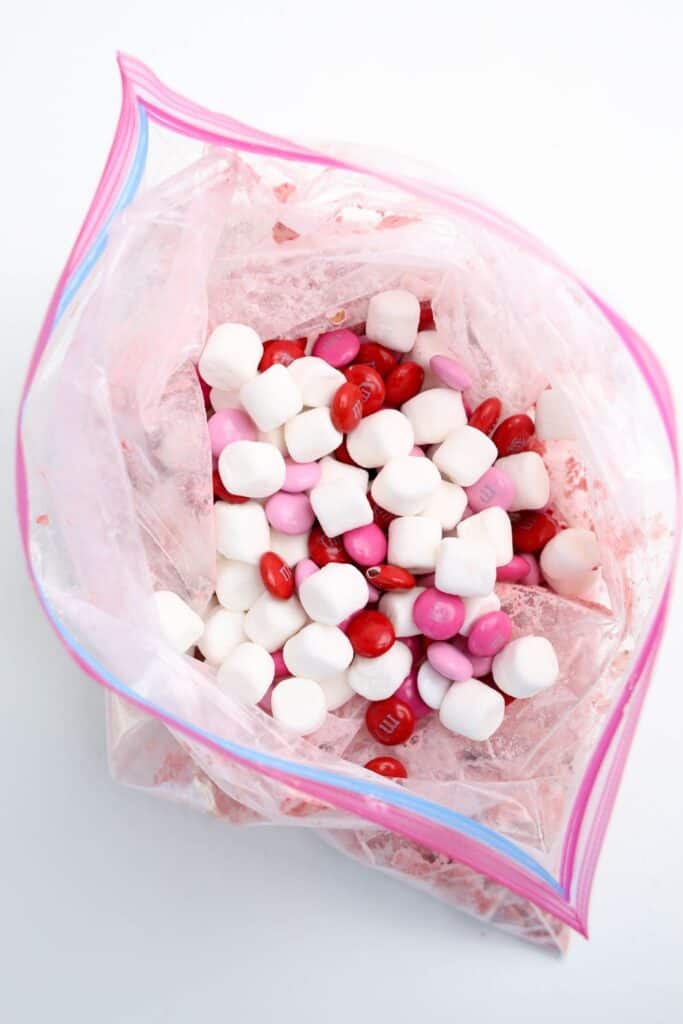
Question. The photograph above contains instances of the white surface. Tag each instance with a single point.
(118, 909)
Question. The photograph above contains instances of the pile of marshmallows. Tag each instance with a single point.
(363, 519)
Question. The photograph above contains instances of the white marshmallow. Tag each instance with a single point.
(428, 344)
(223, 631)
(465, 567)
(299, 705)
(332, 469)
(270, 621)
(231, 356)
(446, 505)
(339, 508)
(431, 686)
(475, 607)
(392, 319)
(405, 485)
(382, 436)
(272, 397)
(337, 690)
(434, 414)
(398, 606)
(224, 399)
(291, 547)
(333, 593)
(251, 468)
(554, 419)
(530, 477)
(465, 455)
(242, 531)
(238, 584)
(316, 380)
(311, 434)
(318, 651)
(414, 542)
(526, 666)
(570, 561)
(180, 625)
(276, 437)
(378, 678)
(472, 709)
(491, 526)
(246, 673)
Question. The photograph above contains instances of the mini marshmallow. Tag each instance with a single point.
(231, 356)
(180, 625)
(246, 673)
(311, 434)
(530, 477)
(271, 621)
(446, 505)
(475, 607)
(472, 709)
(465, 455)
(242, 531)
(428, 344)
(465, 567)
(318, 651)
(339, 507)
(378, 678)
(526, 666)
(333, 593)
(272, 397)
(276, 437)
(434, 414)
(570, 561)
(332, 469)
(382, 436)
(299, 705)
(224, 399)
(398, 606)
(251, 468)
(223, 631)
(316, 380)
(431, 686)
(337, 690)
(554, 419)
(405, 485)
(238, 584)
(291, 547)
(392, 319)
(493, 527)
(414, 542)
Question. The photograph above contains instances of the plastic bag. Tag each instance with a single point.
(199, 219)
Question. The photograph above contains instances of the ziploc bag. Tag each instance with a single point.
(199, 219)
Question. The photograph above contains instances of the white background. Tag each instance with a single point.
(117, 908)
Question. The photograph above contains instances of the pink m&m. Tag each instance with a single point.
(289, 513)
(227, 426)
(494, 488)
(414, 645)
(300, 476)
(449, 661)
(305, 568)
(452, 373)
(533, 576)
(338, 348)
(513, 571)
(481, 666)
(408, 693)
(366, 545)
(439, 616)
(489, 634)
(279, 662)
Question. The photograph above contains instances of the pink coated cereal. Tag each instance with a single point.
(439, 616)
(366, 545)
(494, 488)
(338, 348)
(489, 634)
(452, 373)
(449, 661)
(300, 476)
(289, 513)
(227, 426)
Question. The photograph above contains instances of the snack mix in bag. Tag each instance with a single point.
(361, 506)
